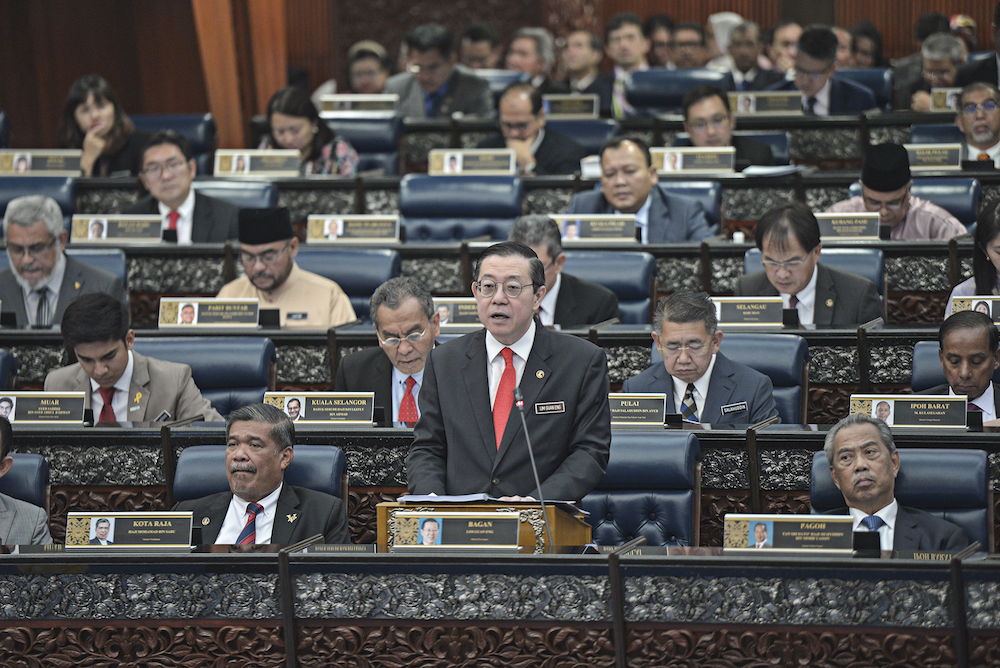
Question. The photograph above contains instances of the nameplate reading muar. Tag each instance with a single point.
(336, 228)
(603, 228)
(416, 530)
(257, 162)
(760, 535)
(47, 162)
(346, 408)
(472, 162)
(42, 407)
(701, 159)
(913, 410)
(208, 312)
(848, 226)
(934, 156)
(771, 103)
(988, 305)
(347, 105)
(117, 229)
(457, 312)
(570, 106)
(129, 532)
(945, 99)
(749, 311)
(629, 408)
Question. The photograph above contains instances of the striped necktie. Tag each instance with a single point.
(42, 312)
(249, 534)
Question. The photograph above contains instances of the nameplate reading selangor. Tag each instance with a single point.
(913, 410)
(417, 530)
(848, 226)
(472, 162)
(42, 407)
(570, 106)
(760, 535)
(125, 532)
(749, 311)
(117, 229)
(771, 103)
(703, 159)
(638, 408)
(457, 311)
(603, 228)
(985, 304)
(346, 408)
(208, 312)
(934, 156)
(47, 162)
(257, 162)
(336, 228)
(945, 99)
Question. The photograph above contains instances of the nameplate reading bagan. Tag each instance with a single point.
(848, 226)
(570, 106)
(334, 105)
(457, 311)
(208, 312)
(417, 530)
(772, 103)
(701, 159)
(257, 162)
(913, 410)
(589, 228)
(638, 408)
(46, 162)
(339, 229)
(347, 408)
(472, 162)
(125, 532)
(42, 407)
(934, 156)
(764, 534)
(749, 311)
(985, 304)
(117, 229)
(945, 99)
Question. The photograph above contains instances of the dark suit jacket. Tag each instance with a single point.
(94, 541)
(847, 98)
(603, 87)
(301, 513)
(79, 279)
(557, 154)
(842, 299)
(583, 302)
(214, 220)
(467, 93)
(367, 370)
(981, 70)
(565, 386)
(551, 87)
(731, 383)
(946, 389)
(920, 531)
(672, 218)
(750, 151)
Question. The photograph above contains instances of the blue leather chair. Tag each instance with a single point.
(500, 79)
(652, 489)
(199, 129)
(28, 480)
(960, 196)
(4, 130)
(780, 143)
(455, 208)
(936, 133)
(950, 483)
(244, 194)
(60, 188)
(590, 133)
(865, 262)
(879, 80)
(708, 194)
(109, 259)
(926, 371)
(230, 371)
(661, 91)
(375, 139)
(8, 368)
(980, 55)
(630, 275)
(358, 271)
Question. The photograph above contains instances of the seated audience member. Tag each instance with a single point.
(268, 247)
(985, 278)
(969, 356)
(984, 69)
(167, 172)
(659, 30)
(844, 56)
(866, 45)
(627, 47)
(710, 122)
(689, 46)
(368, 68)
(533, 51)
(407, 326)
(864, 464)
(783, 46)
(94, 121)
(42, 280)
(120, 384)
(701, 384)
(964, 27)
(941, 56)
(885, 188)
(978, 117)
(788, 238)
(21, 523)
(259, 507)
(908, 71)
(744, 48)
(718, 30)
(629, 185)
(581, 60)
(479, 47)
(569, 301)
(537, 149)
(433, 87)
(293, 122)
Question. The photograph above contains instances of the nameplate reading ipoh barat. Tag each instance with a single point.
(749, 311)
(208, 312)
(638, 408)
(129, 532)
(257, 162)
(117, 229)
(934, 156)
(599, 227)
(472, 162)
(848, 226)
(457, 312)
(760, 535)
(701, 159)
(913, 410)
(40, 162)
(346, 408)
(770, 103)
(42, 407)
(336, 228)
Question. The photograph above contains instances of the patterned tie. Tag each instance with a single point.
(689, 409)
(618, 104)
(42, 312)
(873, 522)
(504, 399)
(173, 216)
(793, 302)
(107, 411)
(810, 107)
(984, 156)
(408, 407)
(249, 534)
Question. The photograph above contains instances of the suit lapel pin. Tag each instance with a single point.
(539, 374)
(829, 303)
(205, 521)
(292, 518)
(76, 284)
(138, 396)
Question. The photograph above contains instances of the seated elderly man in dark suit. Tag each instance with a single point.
(970, 354)
(710, 122)
(21, 523)
(260, 508)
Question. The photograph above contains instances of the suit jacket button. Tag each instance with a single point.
(496, 481)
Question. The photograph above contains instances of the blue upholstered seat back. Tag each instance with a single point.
(936, 133)
(708, 194)
(244, 194)
(658, 90)
(453, 208)
(27, 479)
(628, 274)
(879, 80)
(960, 196)
(865, 262)
(375, 139)
(926, 371)
(590, 133)
(60, 188)
(358, 271)
(199, 129)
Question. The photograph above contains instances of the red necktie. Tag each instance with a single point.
(504, 399)
(984, 156)
(408, 407)
(173, 216)
(107, 412)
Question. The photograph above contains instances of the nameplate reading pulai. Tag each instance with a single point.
(257, 162)
(418, 530)
(570, 106)
(208, 312)
(129, 532)
(988, 305)
(770, 103)
(628, 408)
(117, 229)
(339, 229)
(749, 311)
(347, 105)
(472, 162)
(345, 408)
(945, 99)
(457, 312)
(760, 535)
(913, 410)
(934, 156)
(701, 159)
(42, 407)
(848, 226)
(40, 162)
(594, 228)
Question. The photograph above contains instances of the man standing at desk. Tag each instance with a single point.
(970, 353)
(469, 438)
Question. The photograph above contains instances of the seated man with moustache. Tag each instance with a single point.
(970, 354)
(710, 122)
(21, 523)
(978, 117)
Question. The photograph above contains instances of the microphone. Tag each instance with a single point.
(519, 402)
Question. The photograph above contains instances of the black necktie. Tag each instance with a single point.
(42, 312)
(811, 106)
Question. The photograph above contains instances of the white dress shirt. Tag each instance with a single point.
(236, 519)
(186, 220)
(642, 218)
(888, 515)
(399, 391)
(807, 302)
(822, 107)
(53, 282)
(119, 401)
(700, 390)
(547, 309)
(495, 363)
(984, 401)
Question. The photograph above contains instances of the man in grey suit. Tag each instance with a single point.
(21, 523)
(120, 384)
(701, 384)
(42, 280)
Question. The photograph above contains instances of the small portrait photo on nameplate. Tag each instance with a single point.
(771, 103)
(638, 408)
(347, 105)
(848, 226)
(208, 312)
(472, 162)
(750, 534)
(934, 156)
(749, 311)
(988, 305)
(596, 228)
(913, 410)
(703, 159)
(340, 229)
(117, 228)
(152, 531)
(42, 407)
(256, 162)
(945, 99)
(416, 530)
(346, 408)
(457, 312)
(570, 106)
(40, 162)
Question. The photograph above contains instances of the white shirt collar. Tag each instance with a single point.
(807, 300)
(186, 220)
(538, 141)
(985, 402)
(700, 388)
(521, 347)
(972, 153)
(123, 383)
(822, 107)
(886, 531)
(548, 306)
(642, 217)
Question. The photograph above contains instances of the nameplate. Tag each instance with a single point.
(913, 410)
(334, 106)
(570, 106)
(848, 226)
(42, 407)
(346, 408)
(208, 312)
(366, 548)
(773, 103)
(749, 311)
(629, 408)
(934, 156)
(945, 99)
(45, 162)
(988, 305)
(457, 311)
(472, 162)
(701, 159)
(747, 534)
(145, 531)
(415, 530)
(257, 162)
(603, 228)
(117, 228)
(331, 229)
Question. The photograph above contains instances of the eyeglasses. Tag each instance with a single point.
(156, 171)
(693, 348)
(33, 250)
(790, 265)
(894, 205)
(987, 107)
(716, 122)
(489, 288)
(515, 127)
(812, 75)
(394, 341)
(267, 257)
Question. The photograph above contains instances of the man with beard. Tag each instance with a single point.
(979, 118)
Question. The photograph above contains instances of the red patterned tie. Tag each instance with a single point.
(173, 216)
(249, 534)
(408, 406)
(504, 399)
(107, 411)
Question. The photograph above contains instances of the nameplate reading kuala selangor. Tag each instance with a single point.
(569, 106)
(457, 311)
(48, 162)
(848, 226)
(334, 105)
(985, 304)
(761, 534)
(207, 312)
(336, 228)
(945, 99)
(749, 311)
(472, 162)
(703, 159)
(124, 532)
(42, 407)
(117, 229)
(934, 156)
(347, 408)
(257, 162)
(773, 103)
(638, 408)
(913, 410)
(604, 228)
(416, 530)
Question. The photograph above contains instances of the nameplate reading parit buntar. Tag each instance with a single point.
(207, 312)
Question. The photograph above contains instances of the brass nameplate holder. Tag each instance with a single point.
(125, 532)
(117, 228)
(934, 156)
(945, 99)
(45, 162)
(570, 106)
(828, 534)
(749, 311)
(769, 103)
(457, 312)
(848, 226)
(422, 530)
(913, 410)
(257, 162)
(339, 229)
(591, 228)
(43, 407)
(348, 105)
(700, 159)
(208, 312)
(472, 162)
(345, 408)
(638, 408)
(988, 305)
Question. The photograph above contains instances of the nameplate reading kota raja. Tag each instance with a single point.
(614, 228)
(775, 103)
(638, 408)
(706, 159)
(351, 408)
(42, 407)
(50, 162)
(129, 532)
(913, 410)
(117, 229)
(763, 534)
(570, 106)
(257, 162)
(334, 228)
(849, 226)
(208, 312)
(436, 530)
(934, 156)
(457, 311)
(749, 311)
(472, 162)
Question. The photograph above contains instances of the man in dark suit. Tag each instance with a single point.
(536, 149)
(101, 530)
(168, 169)
(864, 465)
(406, 325)
(461, 446)
(983, 69)
(21, 523)
(42, 280)
(970, 353)
(701, 384)
(260, 508)
(710, 122)
(629, 185)
(744, 48)
(788, 238)
(569, 301)
(626, 45)
(533, 51)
